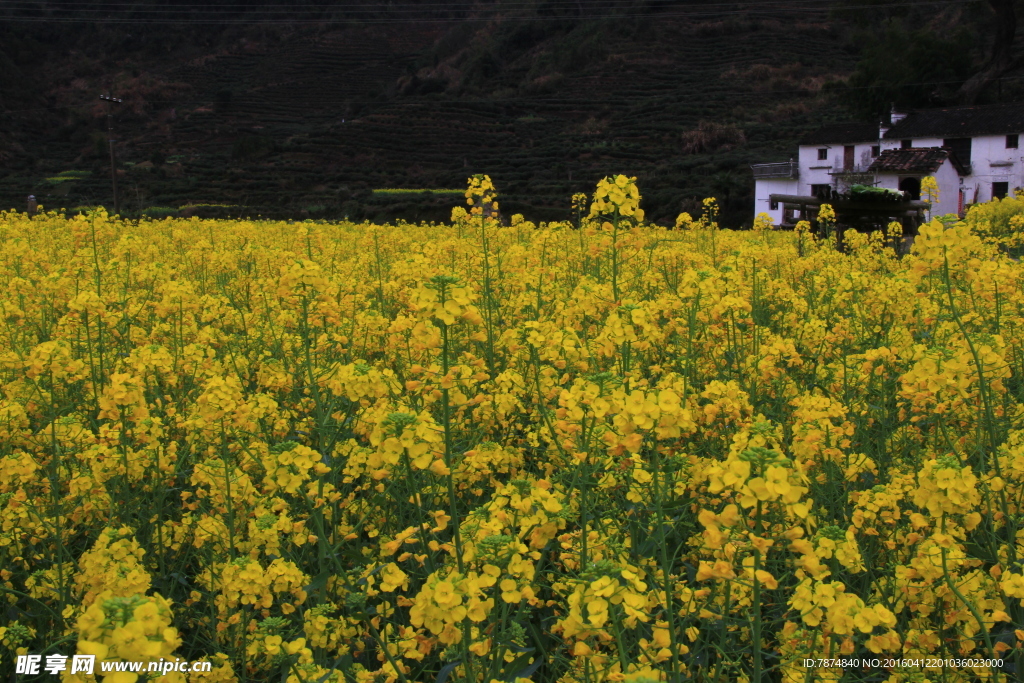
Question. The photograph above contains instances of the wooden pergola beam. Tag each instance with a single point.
(881, 208)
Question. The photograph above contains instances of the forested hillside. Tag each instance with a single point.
(301, 110)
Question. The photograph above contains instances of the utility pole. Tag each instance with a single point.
(110, 141)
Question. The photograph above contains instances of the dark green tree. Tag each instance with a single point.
(908, 69)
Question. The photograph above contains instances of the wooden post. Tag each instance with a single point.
(113, 166)
(110, 141)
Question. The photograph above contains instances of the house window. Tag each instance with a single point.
(961, 148)
(875, 151)
(821, 191)
(1000, 190)
(906, 144)
(1012, 140)
(823, 154)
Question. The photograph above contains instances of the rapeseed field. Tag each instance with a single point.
(583, 452)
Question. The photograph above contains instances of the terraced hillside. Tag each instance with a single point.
(305, 122)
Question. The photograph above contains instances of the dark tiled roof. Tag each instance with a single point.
(835, 133)
(913, 160)
(960, 122)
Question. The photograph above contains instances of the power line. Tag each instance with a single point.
(740, 5)
(274, 15)
(526, 101)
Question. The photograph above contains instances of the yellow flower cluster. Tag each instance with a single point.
(591, 605)
(442, 605)
(447, 300)
(618, 196)
(289, 468)
(944, 487)
(246, 582)
(135, 628)
(481, 195)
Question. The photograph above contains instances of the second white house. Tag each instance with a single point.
(973, 153)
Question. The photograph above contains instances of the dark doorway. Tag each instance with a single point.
(1000, 190)
(912, 186)
(848, 158)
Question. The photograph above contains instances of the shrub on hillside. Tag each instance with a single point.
(710, 137)
(159, 212)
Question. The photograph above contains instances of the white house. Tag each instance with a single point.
(973, 153)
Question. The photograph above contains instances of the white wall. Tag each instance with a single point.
(989, 149)
(768, 186)
(889, 182)
(914, 142)
(949, 189)
(814, 171)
